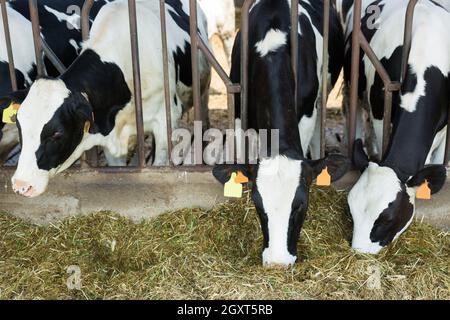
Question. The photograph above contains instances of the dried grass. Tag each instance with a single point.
(193, 254)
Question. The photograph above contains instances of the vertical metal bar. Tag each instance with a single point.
(355, 75)
(387, 119)
(194, 56)
(244, 61)
(162, 11)
(137, 81)
(34, 15)
(84, 19)
(407, 38)
(325, 62)
(231, 110)
(12, 70)
(447, 141)
(294, 46)
(89, 158)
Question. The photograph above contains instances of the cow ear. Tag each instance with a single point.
(81, 108)
(435, 175)
(337, 166)
(16, 97)
(222, 172)
(359, 157)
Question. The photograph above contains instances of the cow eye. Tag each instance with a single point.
(56, 135)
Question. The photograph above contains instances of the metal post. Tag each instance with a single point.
(12, 70)
(294, 46)
(325, 62)
(407, 38)
(137, 81)
(244, 62)
(34, 15)
(193, 27)
(355, 75)
(162, 11)
(447, 142)
(84, 19)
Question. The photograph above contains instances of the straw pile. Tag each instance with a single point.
(194, 254)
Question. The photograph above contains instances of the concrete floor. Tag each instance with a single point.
(150, 193)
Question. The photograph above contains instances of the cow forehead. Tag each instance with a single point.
(41, 103)
(376, 188)
(277, 182)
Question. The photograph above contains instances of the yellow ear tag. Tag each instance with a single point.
(10, 113)
(324, 178)
(87, 126)
(241, 178)
(424, 192)
(232, 189)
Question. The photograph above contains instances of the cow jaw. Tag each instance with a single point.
(277, 182)
(44, 98)
(376, 189)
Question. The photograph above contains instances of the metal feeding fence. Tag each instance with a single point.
(197, 46)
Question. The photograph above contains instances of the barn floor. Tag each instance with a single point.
(195, 254)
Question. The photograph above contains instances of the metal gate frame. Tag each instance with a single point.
(198, 45)
(359, 42)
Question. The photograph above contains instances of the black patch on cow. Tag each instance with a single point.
(393, 219)
(346, 6)
(105, 85)
(182, 56)
(56, 33)
(438, 4)
(368, 32)
(63, 133)
(410, 83)
(263, 218)
(393, 67)
(414, 132)
(298, 209)
(5, 80)
(271, 103)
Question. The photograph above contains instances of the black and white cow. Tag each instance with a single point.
(60, 27)
(382, 202)
(92, 103)
(281, 182)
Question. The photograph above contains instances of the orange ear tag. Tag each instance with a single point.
(424, 192)
(324, 178)
(87, 126)
(232, 189)
(241, 178)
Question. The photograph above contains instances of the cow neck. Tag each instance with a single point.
(271, 102)
(414, 132)
(103, 83)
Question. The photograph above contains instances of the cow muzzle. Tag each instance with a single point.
(29, 189)
(23, 188)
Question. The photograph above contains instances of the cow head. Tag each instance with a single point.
(52, 122)
(382, 204)
(280, 192)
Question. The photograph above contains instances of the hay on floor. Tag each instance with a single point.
(194, 254)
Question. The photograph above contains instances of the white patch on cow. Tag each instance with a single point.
(273, 40)
(429, 31)
(23, 50)
(73, 19)
(371, 195)
(74, 44)
(277, 182)
(37, 110)
(306, 128)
